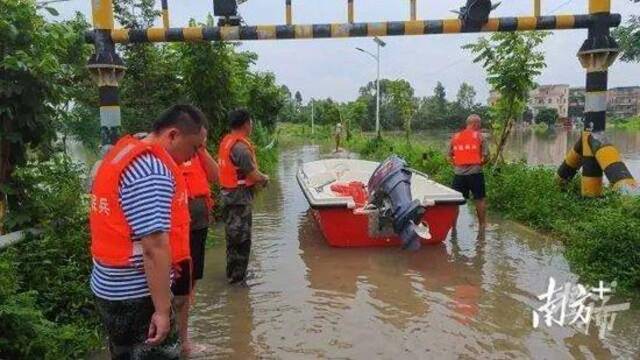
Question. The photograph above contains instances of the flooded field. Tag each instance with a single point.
(468, 298)
(549, 148)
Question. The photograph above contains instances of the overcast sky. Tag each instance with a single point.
(333, 68)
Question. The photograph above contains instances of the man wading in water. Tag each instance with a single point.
(199, 172)
(239, 174)
(139, 220)
(468, 152)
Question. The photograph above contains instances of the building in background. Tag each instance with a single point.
(576, 104)
(550, 96)
(623, 102)
(544, 96)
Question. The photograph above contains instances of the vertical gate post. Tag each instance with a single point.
(106, 69)
(597, 53)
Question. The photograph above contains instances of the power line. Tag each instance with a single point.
(561, 6)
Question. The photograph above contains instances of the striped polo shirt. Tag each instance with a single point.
(146, 189)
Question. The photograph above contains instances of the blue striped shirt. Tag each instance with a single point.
(146, 189)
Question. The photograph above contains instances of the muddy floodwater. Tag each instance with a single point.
(467, 298)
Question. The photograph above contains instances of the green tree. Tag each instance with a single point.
(440, 98)
(547, 116)
(368, 94)
(80, 91)
(403, 104)
(264, 98)
(298, 98)
(357, 112)
(397, 104)
(511, 61)
(433, 110)
(215, 78)
(151, 82)
(628, 37)
(34, 79)
(466, 97)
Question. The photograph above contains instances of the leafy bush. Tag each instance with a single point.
(632, 123)
(46, 306)
(602, 236)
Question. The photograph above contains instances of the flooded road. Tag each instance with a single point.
(466, 298)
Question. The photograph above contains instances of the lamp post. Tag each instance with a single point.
(379, 43)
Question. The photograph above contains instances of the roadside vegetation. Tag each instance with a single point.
(47, 98)
(46, 306)
(631, 124)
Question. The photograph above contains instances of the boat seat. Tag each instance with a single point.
(321, 180)
(353, 175)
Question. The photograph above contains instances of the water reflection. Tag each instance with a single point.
(469, 297)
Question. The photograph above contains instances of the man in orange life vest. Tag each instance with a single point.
(238, 175)
(139, 219)
(469, 151)
(200, 171)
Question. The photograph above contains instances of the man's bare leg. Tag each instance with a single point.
(481, 211)
(182, 310)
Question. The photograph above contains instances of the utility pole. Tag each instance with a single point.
(379, 43)
(312, 116)
(378, 94)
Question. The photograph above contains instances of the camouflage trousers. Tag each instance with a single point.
(237, 221)
(127, 325)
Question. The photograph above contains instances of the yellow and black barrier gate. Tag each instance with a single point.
(597, 53)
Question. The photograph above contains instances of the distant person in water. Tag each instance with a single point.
(468, 152)
(338, 135)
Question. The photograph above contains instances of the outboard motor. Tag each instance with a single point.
(390, 192)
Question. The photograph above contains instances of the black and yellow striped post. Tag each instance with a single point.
(165, 14)
(413, 12)
(609, 159)
(591, 184)
(288, 15)
(571, 164)
(597, 53)
(592, 151)
(350, 11)
(106, 69)
(344, 30)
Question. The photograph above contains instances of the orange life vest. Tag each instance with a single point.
(467, 148)
(196, 179)
(230, 175)
(111, 242)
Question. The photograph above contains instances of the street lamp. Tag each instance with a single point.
(379, 43)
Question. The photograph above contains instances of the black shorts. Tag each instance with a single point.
(473, 183)
(198, 239)
(127, 325)
(182, 281)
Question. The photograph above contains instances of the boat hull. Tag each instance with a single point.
(345, 222)
(342, 227)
